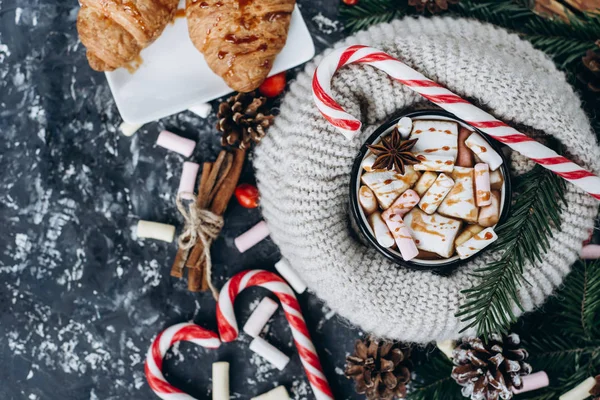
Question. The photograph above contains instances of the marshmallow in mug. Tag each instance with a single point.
(367, 200)
(380, 230)
(368, 161)
(460, 202)
(496, 179)
(434, 163)
(483, 193)
(388, 185)
(401, 234)
(425, 182)
(484, 151)
(434, 233)
(467, 233)
(465, 155)
(404, 127)
(436, 193)
(477, 243)
(490, 215)
(405, 202)
(436, 138)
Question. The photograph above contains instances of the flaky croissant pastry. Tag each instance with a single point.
(239, 38)
(115, 31)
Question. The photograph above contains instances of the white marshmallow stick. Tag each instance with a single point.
(269, 353)
(279, 393)
(425, 182)
(202, 110)
(436, 194)
(380, 230)
(155, 230)
(405, 202)
(460, 202)
(434, 163)
(388, 185)
(290, 275)
(129, 129)
(581, 391)
(220, 381)
(367, 200)
(368, 161)
(490, 215)
(467, 233)
(484, 151)
(404, 127)
(477, 243)
(446, 347)
(496, 180)
(483, 194)
(401, 234)
(260, 316)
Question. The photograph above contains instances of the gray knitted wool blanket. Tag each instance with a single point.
(303, 172)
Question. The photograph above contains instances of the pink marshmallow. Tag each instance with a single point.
(590, 252)
(187, 183)
(406, 202)
(534, 381)
(251, 237)
(483, 191)
(178, 144)
(401, 234)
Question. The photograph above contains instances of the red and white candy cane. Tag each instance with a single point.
(228, 328)
(436, 93)
(177, 333)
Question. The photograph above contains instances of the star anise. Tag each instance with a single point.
(392, 152)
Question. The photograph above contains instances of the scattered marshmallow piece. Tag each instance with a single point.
(178, 144)
(483, 195)
(477, 243)
(484, 151)
(368, 161)
(220, 381)
(155, 230)
(388, 185)
(404, 127)
(129, 129)
(436, 138)
(581, 391)
(467, 234)
(405, 202)
(434, 163)
(490, 215)
(401, 234)
(496, 179)
(202, 110)
(380, 230)
(533, 381)
(279, 393)
(290, 275)
(446, 347)
(269, 353)
(590, 252)
(434, 233)
(436, 193)
(187, 183)
(260, 316)
(425, 182)
(465, 155)
(252, 236)
(367, 200)
(460, 202)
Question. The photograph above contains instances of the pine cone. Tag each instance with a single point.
(379, 369)
(591, 75)
(489, 371)
(433, 6)
(242, 120)
(595, 392)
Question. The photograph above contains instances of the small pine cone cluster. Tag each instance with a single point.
(490, 370)
(433, 6)
(243, 119)
(380, 369)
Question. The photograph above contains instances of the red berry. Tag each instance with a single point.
(247, 195)
(273, 86)
(350, 2)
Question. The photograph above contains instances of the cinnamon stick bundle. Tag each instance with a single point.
(217, 185)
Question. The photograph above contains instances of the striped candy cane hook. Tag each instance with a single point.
(177, 333)
(228, 328)
(437, 94)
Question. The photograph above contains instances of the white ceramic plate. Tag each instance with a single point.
(174, 75)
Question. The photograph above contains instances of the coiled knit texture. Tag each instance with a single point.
(303, 172)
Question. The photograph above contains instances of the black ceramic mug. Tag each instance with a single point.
(359, 218)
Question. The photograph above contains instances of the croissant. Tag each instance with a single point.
(115, 31)
(239, 38)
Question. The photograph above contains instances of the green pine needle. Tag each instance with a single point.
(522, 238)
(371, 12)
(432, 379)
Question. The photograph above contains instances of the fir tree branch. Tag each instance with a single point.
(371, 12)
(522, 238)
(433, 381)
